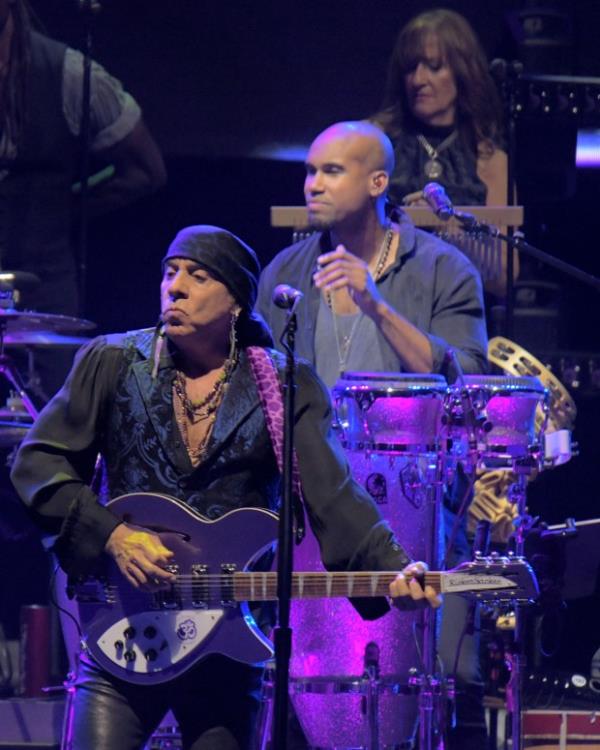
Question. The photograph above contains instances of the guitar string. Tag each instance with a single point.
(271, 578)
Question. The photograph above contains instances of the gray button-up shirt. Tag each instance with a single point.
(431, 283)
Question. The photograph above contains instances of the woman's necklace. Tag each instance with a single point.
(433, 168)
(344, 342)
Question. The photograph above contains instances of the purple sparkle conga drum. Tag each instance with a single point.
(389, 425)
(506, 406)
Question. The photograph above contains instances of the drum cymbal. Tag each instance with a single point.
(18, 280)
(13, 321)
(42, 339)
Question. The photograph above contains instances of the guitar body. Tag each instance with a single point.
(149, 638)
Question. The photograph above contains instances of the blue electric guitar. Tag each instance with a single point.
(148, 638)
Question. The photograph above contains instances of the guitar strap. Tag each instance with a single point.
(271, 399)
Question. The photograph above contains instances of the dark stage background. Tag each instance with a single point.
(234, 92)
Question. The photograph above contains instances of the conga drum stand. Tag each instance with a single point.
(516, 660)
(433, 691)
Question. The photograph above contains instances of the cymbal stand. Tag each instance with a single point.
(10, 372)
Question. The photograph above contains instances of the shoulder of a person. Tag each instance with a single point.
(279, 359)
(130, 344)
(305, 371)
(43, 39)
(439, 251)
(294, 254)
(491, 158)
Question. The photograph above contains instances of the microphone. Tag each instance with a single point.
(438, 201)
(285, 296)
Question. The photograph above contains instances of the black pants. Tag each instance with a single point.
(470, 732)
(215, 705)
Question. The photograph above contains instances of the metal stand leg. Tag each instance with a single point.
(372, 707)
(432, 690)
(264, 720)
(516, 661)
(10, 372)
(66, 742)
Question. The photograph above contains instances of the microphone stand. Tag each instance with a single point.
(88, 8)
(507, 76)
(472, 226)
(282, 633)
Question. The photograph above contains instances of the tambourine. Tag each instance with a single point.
(491, 490)
(515, 360)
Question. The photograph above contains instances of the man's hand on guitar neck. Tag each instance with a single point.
(139, 556)
(408, 593)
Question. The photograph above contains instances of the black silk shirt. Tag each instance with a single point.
(113, 404)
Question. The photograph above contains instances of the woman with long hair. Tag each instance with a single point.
(443, 113)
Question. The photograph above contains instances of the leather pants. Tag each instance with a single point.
(214, 703)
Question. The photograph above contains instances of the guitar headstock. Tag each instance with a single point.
(493, 578)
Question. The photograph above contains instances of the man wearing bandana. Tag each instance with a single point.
(177, 410)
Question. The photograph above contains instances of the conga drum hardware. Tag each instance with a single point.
(505, 427)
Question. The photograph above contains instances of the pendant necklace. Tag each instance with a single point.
(344, 342)
(433, 168)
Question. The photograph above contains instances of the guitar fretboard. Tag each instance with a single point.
(263, 586)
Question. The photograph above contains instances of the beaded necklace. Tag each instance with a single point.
(188, 412)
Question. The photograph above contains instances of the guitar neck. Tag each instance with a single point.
(263, 586)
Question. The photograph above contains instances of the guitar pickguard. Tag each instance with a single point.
(150, 642)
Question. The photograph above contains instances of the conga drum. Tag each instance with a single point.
(389, 425)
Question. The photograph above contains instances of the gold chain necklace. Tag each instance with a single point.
(343, 346)
(433, 168)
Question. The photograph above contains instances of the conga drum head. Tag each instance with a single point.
(389, 412)
(506, 407)
(513, 359)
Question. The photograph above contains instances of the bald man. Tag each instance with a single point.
(379, 294)
(383, 296)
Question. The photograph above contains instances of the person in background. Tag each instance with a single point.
(383, 296)
(443, 113)
(40, 148)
